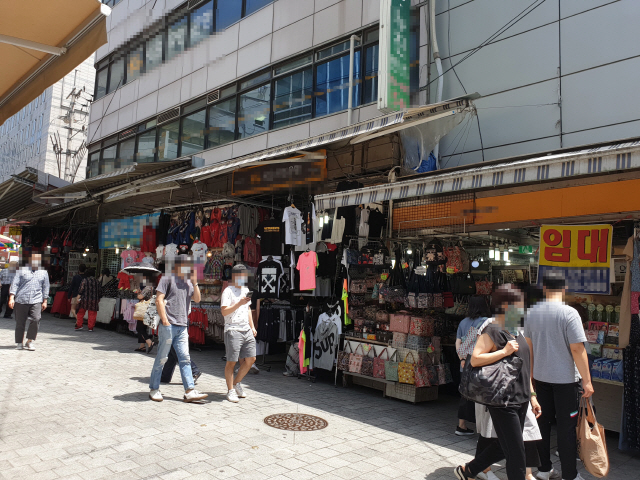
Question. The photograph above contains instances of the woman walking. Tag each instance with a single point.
(89, 295)
(145, 294)
(495, 344)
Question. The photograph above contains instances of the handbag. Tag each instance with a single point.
(367, 364)
(358, 286)
(469, 343)
(411, 301)
(140, 309)
(399, 339)
(343, 358)
(422, 327)
(425, 300)
(378, 365)
(447, 299)
(370, 281)
(592, 446)
(492, 384)
(391, 368)
(422, 375)
(438, 300)
(415, 342)
(384, 337)
(370, 312)
(463, 284)
(355, 360)
(382, 316)
(151, 318)
(400, 323)
(484, 287)
(406, 371)
(353, 256)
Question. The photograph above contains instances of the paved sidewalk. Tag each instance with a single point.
(78, 408)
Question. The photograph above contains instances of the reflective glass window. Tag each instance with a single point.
(177, 38)
(126, 152)
(332, 85)
(108, 163)
(101, 83)
(292, 98)
(93, 164)
(371, 74)
(228, 12)
(335, 49)
(201, 23)
(146, 147)
(168, 141)
(135, 62)
(253, 117)
(222, 123)
(287, 67)
(193, 130)
(153, 52)
(253, 5)
(117, 74)
(258, 79)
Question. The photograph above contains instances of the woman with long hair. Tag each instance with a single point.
(495, 344)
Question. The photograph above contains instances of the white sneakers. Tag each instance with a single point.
(19, 346)
(487, 476)
(240, 391)
(550, 475)
(194, 396)
(155, 395)
(232, 396)
(29, 346)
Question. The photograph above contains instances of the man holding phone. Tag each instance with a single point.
(239, 332)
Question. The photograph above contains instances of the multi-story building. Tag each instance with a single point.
(46, 134)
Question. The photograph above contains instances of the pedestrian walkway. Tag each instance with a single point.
(78, 408)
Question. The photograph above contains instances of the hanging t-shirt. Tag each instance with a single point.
(271, 237)
(325, 344)
(250, 252)
(307, 264)
(376, 223)
(268, 277)
(199, 250)
(148, 260)
(129, 257)
(292, 219)
(160, 252)
(170, 251)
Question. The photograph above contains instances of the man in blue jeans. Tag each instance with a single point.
(173, 299)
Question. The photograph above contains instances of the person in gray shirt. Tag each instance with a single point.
(559, 360)
(173, 301)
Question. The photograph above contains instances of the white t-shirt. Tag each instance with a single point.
(292, 219)
(239, 319)
(199, 250)
(171, 250)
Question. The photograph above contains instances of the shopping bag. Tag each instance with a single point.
(400, 323)
(343, 358)
(355, 360)
(406, 371)
(391, 368)
(399, 339)
(367, 363)
(592, 447)
(422, 375)
(378, 364)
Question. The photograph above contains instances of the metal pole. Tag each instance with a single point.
(352, 45)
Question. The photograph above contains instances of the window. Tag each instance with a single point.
(228, 12)
(126, 152)
(168, 141)
(287, 67)
(292, 98)
(371, 74)
(146, 147)
(253, 117)
(254, 5)
(222, 123)
(116, 78)
(201, 23)
(335, 49)
(135, 64)
(332, 85)
(154, 52)
(193, 129)
(108, 163)
(177, 38)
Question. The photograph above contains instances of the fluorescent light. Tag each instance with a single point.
(505, 256)
(491, 254)
(511, 250)
(497, 254)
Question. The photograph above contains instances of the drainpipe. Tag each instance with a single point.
(436, 57)
(352, 46)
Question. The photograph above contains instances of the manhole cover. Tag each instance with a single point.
(296, 422)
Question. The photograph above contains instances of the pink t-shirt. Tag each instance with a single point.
(129, 257)
(307, 264)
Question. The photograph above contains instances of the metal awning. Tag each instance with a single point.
(603, 159)
(43, 40)
(18, 192)
(357, 133)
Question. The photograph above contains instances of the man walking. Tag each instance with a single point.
(559, 360)
(28, 297)
(239, 332)
(6, 277)
(173, 301)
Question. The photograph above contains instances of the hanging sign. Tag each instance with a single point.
(394, 60)
(125, 231)
(582, 253)
(525, 249)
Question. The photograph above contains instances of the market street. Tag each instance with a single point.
(78, 408)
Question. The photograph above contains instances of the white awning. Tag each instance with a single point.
(617, 157)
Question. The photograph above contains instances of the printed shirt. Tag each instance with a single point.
(292, 219)
(239, 319)
(7, 276)
(268, 277)
(199, 250)
(130, 257)
(30, 286)
(307, 264)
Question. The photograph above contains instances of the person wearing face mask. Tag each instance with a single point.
(173, 300)
(239, 331)
(28, 297)
(144, 294)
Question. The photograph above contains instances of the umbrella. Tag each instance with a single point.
(140, 268)
(6, 241)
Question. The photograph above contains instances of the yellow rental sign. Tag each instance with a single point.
(581, 246)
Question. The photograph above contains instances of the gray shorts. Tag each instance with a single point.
(239, 345)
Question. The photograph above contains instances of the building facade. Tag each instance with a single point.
(41, 133)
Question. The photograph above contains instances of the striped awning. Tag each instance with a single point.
(617, 157)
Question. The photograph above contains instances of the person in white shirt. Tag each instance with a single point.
(239, 332)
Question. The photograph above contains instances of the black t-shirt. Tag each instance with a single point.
(522, 388)
(268, 277)
(271, 233)
(376, 222)
(349, 213)
(326, 264)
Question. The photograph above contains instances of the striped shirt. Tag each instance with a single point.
(30, 286)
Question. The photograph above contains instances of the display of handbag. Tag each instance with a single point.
(151, 317)
(422, 375)
(592, 446)
(454, 259)
(382, 316)
(355, 360)
(438, 300)
(353, 256)
(400, 322)
(406, 371)
(447, 299)
(367, 363)
(391, 368)
(425, 300)
(358, 286)
(371, 280)
(411, 300)
(463, 284)
(370, 312)
(415, 342)
(432, 374)
(396, 294)
(378, 364)
(357, 300)
(422, 327)
(384, 337)
(399, 339)
(490, 385)
(484, 287)
(343, 358)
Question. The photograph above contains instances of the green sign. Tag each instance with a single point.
(526, 249)
(395, 56)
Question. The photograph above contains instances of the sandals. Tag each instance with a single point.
(142, 349)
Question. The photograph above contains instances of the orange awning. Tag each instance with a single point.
(41, 41)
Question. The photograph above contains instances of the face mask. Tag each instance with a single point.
(242, 282)
(513, 319)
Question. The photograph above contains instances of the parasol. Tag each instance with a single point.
(140, 268)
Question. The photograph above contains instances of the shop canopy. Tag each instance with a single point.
(43, 40)
(566, 165)
(17, 193)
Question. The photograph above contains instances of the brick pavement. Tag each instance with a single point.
(78, 408)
